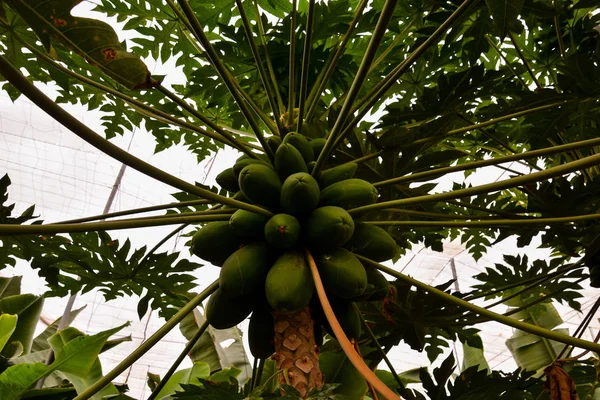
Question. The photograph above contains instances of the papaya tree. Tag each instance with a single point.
(346, 114)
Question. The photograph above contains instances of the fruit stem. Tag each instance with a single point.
(148, 344)
(345, 344)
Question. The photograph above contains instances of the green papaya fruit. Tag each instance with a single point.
(349, 194)
(244, 272)
(261, 332)
(288, 161)
(273, 142)
(372, 242)
(317, 146)
(289, 286)
(244, 161)
(248, 224)
(299, 193)
(301, 143)
(228, 181)
(378, 286)
(337, 174)
(311, 166)
(342, 273)
(223, 311)
(328, 228)
(260, 185)
(214, 242)
(282, 231)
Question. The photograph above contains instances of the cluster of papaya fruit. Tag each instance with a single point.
(263, 268)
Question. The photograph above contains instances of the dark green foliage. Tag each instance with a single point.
(518, 269)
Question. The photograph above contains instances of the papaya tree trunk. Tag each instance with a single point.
(296, 352)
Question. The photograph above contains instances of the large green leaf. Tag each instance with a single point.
(84, 379)
(8, 324)
(28, 307)
(40, 342)
(77, 357)
(94, 40)
(188, 376)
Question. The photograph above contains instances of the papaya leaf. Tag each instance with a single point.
(504, 14)
(94, 40)
(8, 324)
(185, 376)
